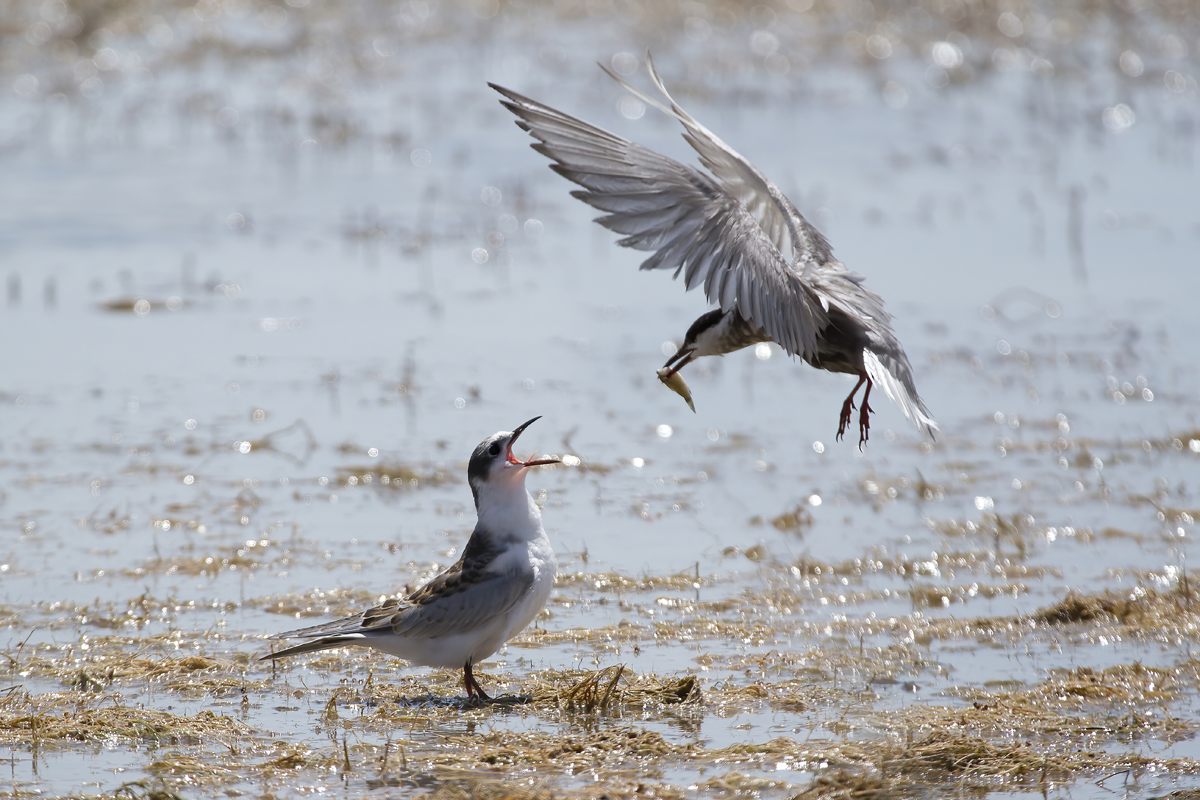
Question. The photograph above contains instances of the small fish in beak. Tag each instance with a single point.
(674, 381)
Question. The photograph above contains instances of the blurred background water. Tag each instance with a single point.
(258, 257)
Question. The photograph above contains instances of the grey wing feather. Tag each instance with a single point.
(328, 635)
(787, 228)
(423, 614)
(351, 624)
(467, 609)
(328, 643)
(697, 226)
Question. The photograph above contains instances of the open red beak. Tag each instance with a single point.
(531, 462)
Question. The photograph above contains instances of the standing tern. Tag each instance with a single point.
(770, 271)
(488, 596)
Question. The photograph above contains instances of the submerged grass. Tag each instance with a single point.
(374, 726)
(848, 684)
(1138, 607)
(39, 720)
(616, 686)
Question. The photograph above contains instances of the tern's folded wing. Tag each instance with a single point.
(447, 604)
(450, 604)
(695, 224)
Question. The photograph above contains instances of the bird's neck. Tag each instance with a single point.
(508, 512)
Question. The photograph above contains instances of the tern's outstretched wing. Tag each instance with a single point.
(696, 225)
(787, 228)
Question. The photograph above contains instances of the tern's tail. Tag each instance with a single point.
(328, 643)
(893, 373)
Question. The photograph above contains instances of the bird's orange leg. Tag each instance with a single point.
(474, 690)
(864, 421)
(849, 406)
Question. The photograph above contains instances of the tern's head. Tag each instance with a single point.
(493, 462)
(692, 347)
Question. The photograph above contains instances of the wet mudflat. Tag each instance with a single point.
(271, 271)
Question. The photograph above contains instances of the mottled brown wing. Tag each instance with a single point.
(458, 601)
(461, 599)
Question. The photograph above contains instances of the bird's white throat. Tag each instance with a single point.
(507, 510)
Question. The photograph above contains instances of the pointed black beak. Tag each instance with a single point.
(517, 431)
(530, 463)
(684, 355)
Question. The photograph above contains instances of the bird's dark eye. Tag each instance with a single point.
(494, 449)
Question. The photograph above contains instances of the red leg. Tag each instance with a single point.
(864, 421)
(849, 406)
(472, 686)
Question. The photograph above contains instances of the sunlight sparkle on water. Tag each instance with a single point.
(624, 64)
(946, 55)
(1118, 118)
(631, 107)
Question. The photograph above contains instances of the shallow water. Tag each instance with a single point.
(247, 267)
